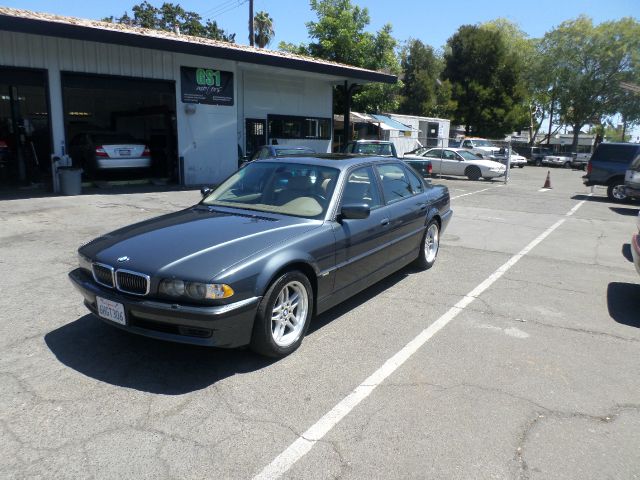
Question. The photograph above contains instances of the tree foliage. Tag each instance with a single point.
(169, 16)
(588, 64)
(263, 29)
(423, 93)
(486, 82)
(339, 34)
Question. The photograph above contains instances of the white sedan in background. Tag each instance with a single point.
(460, 161)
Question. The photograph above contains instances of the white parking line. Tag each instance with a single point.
(305, 442)
(472, 193)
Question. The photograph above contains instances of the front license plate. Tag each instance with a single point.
(110, 310)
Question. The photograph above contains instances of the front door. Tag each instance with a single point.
(255, 134)
(359, 242)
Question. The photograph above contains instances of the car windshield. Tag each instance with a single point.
(114, 139)
(288, 188)
(371, 148)
(467, 155)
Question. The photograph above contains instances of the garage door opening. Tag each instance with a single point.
(25, 133)
(120, 128)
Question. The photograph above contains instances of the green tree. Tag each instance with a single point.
(263, 26)
(588, 64)
(486, 83)
(423, 92)
(170, 16)
(340, 35)
(536, 80)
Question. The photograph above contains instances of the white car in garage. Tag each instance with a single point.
(460, 161)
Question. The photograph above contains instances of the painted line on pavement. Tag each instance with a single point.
(305, 442)
(473, 193)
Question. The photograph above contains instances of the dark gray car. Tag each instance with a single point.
(274, 244)
(608, 166)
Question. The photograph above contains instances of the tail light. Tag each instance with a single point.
(146, 152)
(100, 152)
(589, 168)
(429, 168)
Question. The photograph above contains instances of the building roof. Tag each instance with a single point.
(26, 21)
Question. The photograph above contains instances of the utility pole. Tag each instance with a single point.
(251, 29)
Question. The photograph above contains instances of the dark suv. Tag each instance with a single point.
(608, 166)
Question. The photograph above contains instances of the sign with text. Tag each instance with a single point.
(205, 85)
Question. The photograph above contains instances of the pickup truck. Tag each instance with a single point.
(480, 146)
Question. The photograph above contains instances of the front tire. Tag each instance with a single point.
(429, 246)
(473, 173)
(283, 316)
(616, 191)
(567, 165)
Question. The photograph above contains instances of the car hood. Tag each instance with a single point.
(486, 163)
(198, 243)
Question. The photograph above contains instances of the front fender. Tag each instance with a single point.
(278, 262)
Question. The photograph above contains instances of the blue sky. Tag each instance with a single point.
(432, 22)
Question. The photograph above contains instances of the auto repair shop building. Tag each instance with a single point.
(195, 102)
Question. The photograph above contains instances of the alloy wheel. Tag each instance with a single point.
(431, 243)
(289, 314)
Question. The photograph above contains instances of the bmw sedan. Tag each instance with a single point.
(276, 243)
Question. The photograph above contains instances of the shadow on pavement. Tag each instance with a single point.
(623, 301)
(113, 356)
(633, 212)
(626, 252)
(110, 355)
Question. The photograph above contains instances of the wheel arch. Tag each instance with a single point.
(272, 272)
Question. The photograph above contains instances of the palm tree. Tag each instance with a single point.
(263, 26)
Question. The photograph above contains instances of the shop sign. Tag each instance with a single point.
(205, 85)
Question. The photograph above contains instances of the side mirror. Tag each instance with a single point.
(204, 191)
(355, 211)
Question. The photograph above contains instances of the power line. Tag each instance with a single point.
(221, 11)
(220, 6)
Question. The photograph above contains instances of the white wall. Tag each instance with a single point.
(270, 93)
(207, 137)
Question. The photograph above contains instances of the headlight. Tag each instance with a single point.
(195, 290)
(84, 262)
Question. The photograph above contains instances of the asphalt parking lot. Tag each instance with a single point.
(528, 368)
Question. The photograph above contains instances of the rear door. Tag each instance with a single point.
(402, 192)
(435, 156)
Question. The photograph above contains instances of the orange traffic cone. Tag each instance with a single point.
(547, 182)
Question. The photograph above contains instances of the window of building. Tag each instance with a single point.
(290, 126)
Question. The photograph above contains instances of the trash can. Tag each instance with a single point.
(70, 180)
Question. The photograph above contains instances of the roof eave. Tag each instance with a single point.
(82, 32)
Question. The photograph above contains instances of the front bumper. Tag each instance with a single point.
(632, 189)
(225, 326)
(635, 251)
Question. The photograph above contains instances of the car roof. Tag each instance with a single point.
(371, 141)
(335, 160)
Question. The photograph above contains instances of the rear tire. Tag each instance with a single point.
(567, 165)
(429, 246)
(283, 316)
(473, 173)
(616, 191)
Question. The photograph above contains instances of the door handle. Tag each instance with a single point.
(423, 206)
(384, 222)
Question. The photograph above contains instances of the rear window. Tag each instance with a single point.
(114, 139)
(615, 153)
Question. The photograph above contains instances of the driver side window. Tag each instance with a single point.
(361, 187)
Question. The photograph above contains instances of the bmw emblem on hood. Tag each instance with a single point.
(123, 259)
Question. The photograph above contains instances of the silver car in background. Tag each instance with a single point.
(99, 151)
(460, 161)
